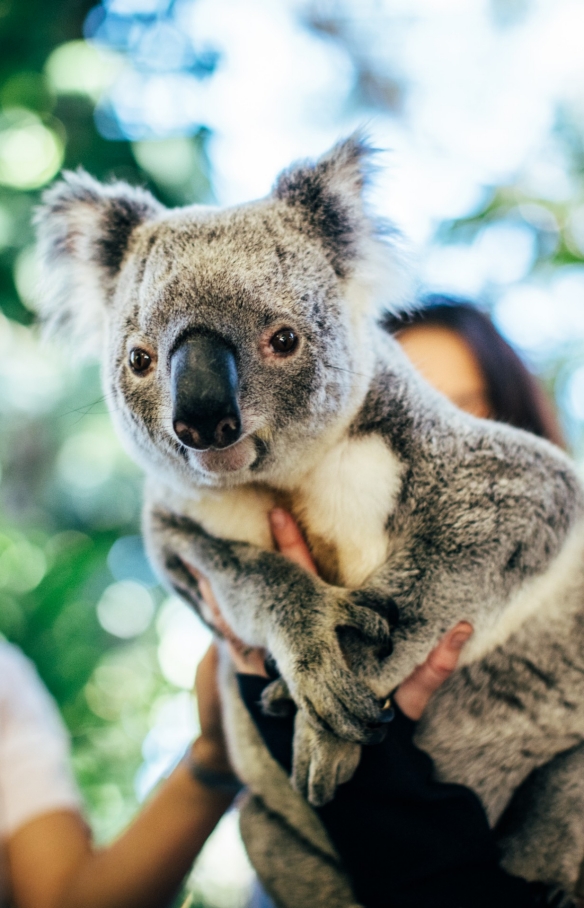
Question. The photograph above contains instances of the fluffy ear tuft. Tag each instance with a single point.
(329, 194)
(83, 231)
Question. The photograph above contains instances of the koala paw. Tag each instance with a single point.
(321, 679)
(321, 761)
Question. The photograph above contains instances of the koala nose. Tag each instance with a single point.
(204, 382)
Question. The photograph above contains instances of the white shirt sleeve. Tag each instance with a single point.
(35, 771)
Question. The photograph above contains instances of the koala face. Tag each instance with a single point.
(235, 340)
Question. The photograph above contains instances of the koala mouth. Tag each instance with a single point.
(240, 456)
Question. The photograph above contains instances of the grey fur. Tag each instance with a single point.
(537, 833)
(90, 231)
(477, 521)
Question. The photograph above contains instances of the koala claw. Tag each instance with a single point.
(321, 761)
(367, 621)
(276, 699)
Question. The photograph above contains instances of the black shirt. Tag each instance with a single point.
(406, 840)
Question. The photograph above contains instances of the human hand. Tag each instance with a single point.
(413, 694)
(210, 746)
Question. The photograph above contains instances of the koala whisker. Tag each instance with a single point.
(369, 375)
(86, 409)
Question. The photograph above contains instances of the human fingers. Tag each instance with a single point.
(248, 660)
(413, 694)
(217, 619)
(289, 540)
(210, 746)
(207, 693)
(444, 658)
(206, 594)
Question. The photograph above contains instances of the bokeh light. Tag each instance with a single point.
(183, 640)
(574, 394)
(127, 560)
(30, 152)
(223, 876)
(22, 565)
(86, 459)
(125, 609)
(31, 379)
(77, 67)
(173, 725)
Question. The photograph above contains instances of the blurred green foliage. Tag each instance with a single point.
(67, 491)
(26, 88)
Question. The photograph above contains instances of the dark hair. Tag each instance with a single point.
(514, 394)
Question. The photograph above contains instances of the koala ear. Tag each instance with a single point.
(83, 232)
(329, 195)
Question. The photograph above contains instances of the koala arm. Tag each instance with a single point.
(269, 601)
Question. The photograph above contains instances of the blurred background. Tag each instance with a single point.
(480, 105)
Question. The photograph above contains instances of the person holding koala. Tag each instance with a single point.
(405, 839)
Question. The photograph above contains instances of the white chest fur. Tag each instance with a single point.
(240, 514)
(346, 500)
(343, 505)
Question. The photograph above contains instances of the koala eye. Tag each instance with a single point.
(140, 360)
(284, 341)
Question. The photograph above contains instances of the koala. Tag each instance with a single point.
(246, 368)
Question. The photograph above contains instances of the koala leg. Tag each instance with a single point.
(541, 833)
(269, 601)
(294, 873)
(321, 761)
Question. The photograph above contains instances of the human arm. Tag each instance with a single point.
(52, 863)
